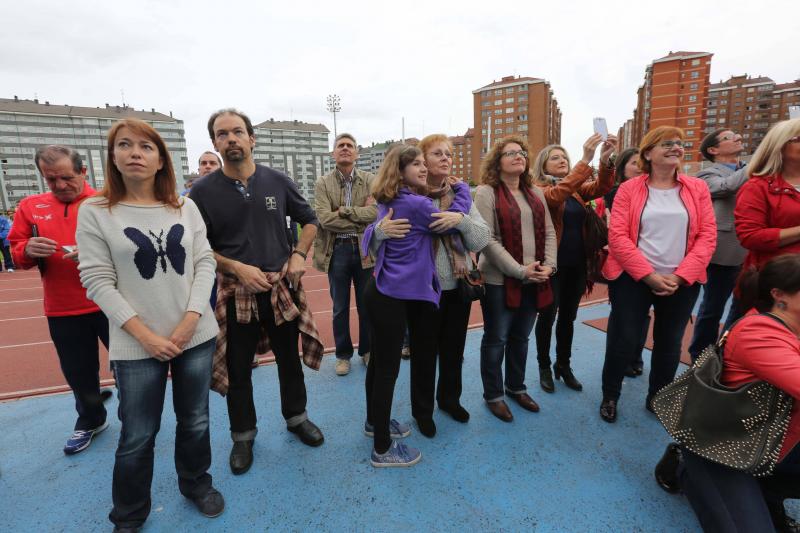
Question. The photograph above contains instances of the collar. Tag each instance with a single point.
(342, 178)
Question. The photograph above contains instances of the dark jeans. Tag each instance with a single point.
(630, 304)
(505, 336)
(8, 262)
(75, 339)
(569, 285)
(141, 384)
(727, 500)
(389, 317)
(717, 290)
(344, 268)
(242, 340)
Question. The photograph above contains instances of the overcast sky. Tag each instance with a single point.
(386, 60)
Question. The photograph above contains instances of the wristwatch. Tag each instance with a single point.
(298, 252)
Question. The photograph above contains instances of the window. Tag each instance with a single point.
(522, 127)
(695, 75)
(695, 62)
(510, 129)
(509, 90)
(485, 103)
(498, 121)
(510, 100)
(690, 133)
(710, 112)
(523, 87)
(688, 145)
(498, 102)
(690, 122)
(693, 110)
(509, 110)
(498, 111)
(498, 92)
(522, 98)
(692, 97)
(522, 117)
(693, 86)
(687, 157)
(751, 89)
(722, 120)
(509, 120)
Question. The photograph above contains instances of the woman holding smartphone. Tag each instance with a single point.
(145, 260)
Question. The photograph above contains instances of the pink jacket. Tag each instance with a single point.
(623, 232)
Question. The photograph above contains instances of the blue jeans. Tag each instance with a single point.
(141, 385)
(345, 266)
(725, 499)
(718, 288)
(505, 335)
(630, 304)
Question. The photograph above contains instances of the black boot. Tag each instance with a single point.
(667, 469)
(565, 373)
(546, 379)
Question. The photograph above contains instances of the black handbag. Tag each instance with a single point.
(595, 241)
(742, 428)
(470, 286)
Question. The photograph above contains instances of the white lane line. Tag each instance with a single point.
(26, 344)
(20, 301)
(21, 288)
(21, 318)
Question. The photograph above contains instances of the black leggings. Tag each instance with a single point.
(388, 319)
(568, 284)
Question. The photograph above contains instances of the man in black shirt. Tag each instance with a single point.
(245, 206)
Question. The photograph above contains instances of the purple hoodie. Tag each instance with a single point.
(406, 268)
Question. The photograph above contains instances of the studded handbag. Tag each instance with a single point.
(742, 428)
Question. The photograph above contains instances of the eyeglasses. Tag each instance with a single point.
(730, 138)
(669, 144)
(795, 139)
(440, 155)
(515, 153)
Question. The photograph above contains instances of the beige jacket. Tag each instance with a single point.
(328, 197)
(495, 261)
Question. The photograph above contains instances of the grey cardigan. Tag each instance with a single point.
(723, 183)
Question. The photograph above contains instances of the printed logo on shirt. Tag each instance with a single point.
(147, 257)
(271, 203)
(42, 206)
(42, 217)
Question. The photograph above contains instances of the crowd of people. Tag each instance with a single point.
(196, 285)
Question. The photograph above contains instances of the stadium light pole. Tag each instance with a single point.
(334, 106)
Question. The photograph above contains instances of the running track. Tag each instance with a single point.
(28, 361)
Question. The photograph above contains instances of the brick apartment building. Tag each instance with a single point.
(462, 155)
(674, 93)
(750, 106)
(522, 106)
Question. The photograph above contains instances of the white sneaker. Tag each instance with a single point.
(365, 359)
(342, 367)
(9, 270)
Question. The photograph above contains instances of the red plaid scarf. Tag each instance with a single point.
(286, 309)
(510, 222)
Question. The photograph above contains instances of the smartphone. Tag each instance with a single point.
(68, 249)
(601, 127)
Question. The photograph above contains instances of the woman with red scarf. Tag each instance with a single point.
(516, 265)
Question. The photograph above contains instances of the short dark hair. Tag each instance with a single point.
(53, 152)
(710, 141)
(230, 111)
(755, 286)
(344, 136)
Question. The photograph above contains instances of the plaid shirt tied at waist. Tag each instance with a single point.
(286, 306)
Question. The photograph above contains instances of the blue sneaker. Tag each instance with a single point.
(396, 430)
(397, 455)
(80, 440)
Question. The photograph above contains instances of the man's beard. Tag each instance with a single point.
(234, 155)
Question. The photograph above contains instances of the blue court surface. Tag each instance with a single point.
(563, 469)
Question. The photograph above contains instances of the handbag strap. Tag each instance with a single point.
(724, 338)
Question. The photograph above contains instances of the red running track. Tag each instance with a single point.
(28, 361)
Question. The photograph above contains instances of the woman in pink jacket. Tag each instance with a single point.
(661, 238)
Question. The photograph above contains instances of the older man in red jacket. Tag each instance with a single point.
(43, 235)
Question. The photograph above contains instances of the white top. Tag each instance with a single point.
(663, 229)
(153, 262)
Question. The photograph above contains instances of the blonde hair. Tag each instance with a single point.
(653, 138)
(538, 172)
(390, 175)
(768, 158)
(490, 168)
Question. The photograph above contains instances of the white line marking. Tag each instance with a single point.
(21, 318)
(21, 289)
(20, 301)
(26, 344)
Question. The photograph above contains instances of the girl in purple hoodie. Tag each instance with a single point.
(404, 290)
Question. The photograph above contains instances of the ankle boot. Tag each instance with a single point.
(546, 379)
(565, 373)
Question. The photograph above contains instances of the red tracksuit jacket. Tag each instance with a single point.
(63, 293)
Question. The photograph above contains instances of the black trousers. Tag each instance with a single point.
(388, 319)
(452, 319)
(75, 339)
(569, 285)
(242, 340)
